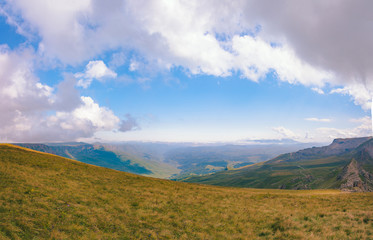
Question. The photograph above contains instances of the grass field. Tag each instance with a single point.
(48, 197)
(293, 175)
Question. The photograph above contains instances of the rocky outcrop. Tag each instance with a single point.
(355, 179)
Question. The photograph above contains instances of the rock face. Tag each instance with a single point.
(356, 179)
(343, 145)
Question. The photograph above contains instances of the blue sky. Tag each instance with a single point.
(185, 72)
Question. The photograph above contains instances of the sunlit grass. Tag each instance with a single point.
(48, 197)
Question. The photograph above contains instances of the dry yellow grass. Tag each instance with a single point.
(47, 197)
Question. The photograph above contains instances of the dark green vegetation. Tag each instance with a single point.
(48, 197)
(346, 164)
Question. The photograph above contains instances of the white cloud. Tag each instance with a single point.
(255, 58)
(134, 65)
(318, 119)
(212, 37)
(20, 90)
(359, 92)
(170, 34)
(94, 70)
(285, 133)
(33, 111)
(318, 90)
(100, 117)
(363, 129)
(326, 134)
(60, 25)
(98, 70)
(83, 121)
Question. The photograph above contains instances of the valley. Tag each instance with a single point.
(168, 160)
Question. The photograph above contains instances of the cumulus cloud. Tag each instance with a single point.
(94, 70)
(32, 111)
(313, 119)
(318, 90)
(83, 121)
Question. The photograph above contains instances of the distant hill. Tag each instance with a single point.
(105, 156)
(88, 153)
(168, 160)
(43, 196)
(345, 164)
(199, 160)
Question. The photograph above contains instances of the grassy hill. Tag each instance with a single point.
(346, 163)
(43, 196)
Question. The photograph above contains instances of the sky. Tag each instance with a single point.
(185, 71)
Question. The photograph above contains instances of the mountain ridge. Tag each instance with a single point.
(166, 160)
(311, 168)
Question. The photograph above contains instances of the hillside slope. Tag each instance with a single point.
(346, 164)
(43, 196)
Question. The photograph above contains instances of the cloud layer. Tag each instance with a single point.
(316, 43)
(311, 43)
(171, 34)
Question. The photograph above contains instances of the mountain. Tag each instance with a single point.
(91, 154)
(344, 164)
(105, 156)
(198, 160)
(43, 196)
(166, 160)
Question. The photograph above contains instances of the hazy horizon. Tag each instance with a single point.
(193, 72)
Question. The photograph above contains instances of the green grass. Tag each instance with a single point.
(301, 174)
(48, 197)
